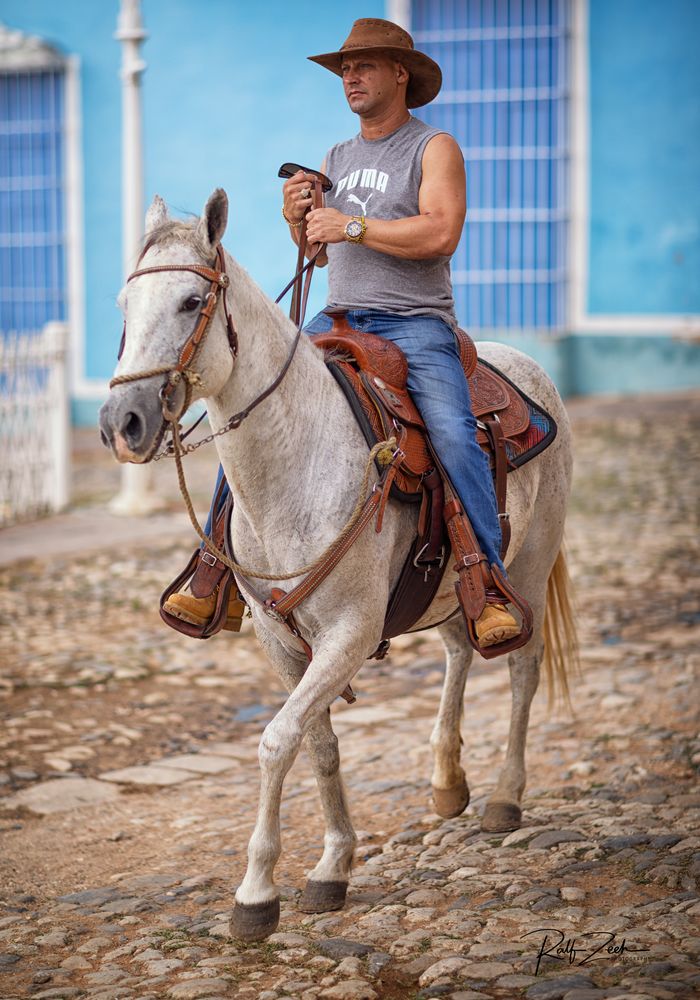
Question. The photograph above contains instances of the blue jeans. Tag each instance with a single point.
(440, 391)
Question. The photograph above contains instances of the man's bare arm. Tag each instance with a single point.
(435, 232)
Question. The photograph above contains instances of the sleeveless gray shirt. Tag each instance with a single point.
(380, 178)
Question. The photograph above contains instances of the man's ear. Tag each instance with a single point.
(402, 74)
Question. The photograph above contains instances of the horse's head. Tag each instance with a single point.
(173, 353)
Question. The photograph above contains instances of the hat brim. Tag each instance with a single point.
(425, 74)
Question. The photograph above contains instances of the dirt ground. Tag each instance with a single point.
(92, 682)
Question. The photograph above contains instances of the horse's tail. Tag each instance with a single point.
(561, 656)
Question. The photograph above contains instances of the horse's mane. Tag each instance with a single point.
(174, 231)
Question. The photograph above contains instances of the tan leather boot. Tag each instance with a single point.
(199, 610)
(495, 625)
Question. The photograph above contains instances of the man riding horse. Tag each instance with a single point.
(389, 269)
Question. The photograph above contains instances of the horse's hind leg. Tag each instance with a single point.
(503, 811)
(450, 789)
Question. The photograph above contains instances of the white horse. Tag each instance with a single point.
(294, 468)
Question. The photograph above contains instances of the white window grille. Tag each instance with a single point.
(505, 99)
(33, 336)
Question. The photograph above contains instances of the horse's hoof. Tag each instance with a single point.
(320, 897)
(500, 817)
(451, 802)
(255, 921)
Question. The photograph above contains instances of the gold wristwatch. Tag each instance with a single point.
(356, 229)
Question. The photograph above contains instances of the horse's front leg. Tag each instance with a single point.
(256, 913)
(327, 885)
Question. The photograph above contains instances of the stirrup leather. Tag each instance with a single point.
(479, 583)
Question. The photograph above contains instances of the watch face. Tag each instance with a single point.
(353, 228)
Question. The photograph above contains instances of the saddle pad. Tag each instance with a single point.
(536, 431)
(539, 433)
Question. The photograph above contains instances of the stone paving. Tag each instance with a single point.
(128, 776)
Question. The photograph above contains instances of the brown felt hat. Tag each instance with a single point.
(372, 35)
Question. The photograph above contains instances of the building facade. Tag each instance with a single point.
(579, 121)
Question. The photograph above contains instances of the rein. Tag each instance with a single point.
(387, 453)
(181, 372)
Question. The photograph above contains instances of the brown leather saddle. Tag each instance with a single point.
(373, 373)
(377, 371)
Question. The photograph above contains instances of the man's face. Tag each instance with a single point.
(371, 83)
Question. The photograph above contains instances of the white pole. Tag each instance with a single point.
(136, 495)
(399, 11)
(55, 340)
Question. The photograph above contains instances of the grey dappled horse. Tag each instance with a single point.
(294, 468)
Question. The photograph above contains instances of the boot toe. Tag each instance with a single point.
(195, 610)
(496, 625)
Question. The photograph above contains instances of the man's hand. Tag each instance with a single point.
(295, 204)
(326, 225)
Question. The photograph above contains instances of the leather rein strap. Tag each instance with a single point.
(297, 309)
(301, 282)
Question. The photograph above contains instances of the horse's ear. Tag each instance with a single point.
(156, 215)
(212, 225)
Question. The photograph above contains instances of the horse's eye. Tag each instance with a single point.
(190, 304)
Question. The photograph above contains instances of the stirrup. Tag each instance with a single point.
(207, 577)
(502, 593)
(223, 586)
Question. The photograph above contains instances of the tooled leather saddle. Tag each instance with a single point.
(511, 429)
(373, 374)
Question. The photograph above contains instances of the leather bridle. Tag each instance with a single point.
(220, 281)
(181, 371)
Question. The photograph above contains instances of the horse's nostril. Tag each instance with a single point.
(132, 429)
(105, 440)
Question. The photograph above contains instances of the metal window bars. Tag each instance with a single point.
(505, 98)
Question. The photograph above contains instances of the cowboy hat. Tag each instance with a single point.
(373, 35)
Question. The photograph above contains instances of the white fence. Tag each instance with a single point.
(34, 423)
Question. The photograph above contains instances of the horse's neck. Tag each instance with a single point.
(278, 461)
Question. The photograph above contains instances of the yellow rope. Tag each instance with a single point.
(123, 379)
(386, 448)
(192, 378)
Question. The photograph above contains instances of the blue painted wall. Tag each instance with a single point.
(645, 156)
(228, 96)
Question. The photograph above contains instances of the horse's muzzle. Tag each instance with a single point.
(131, 424)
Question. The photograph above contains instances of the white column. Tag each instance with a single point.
(55, 347)
(136, 495)
(399, 11)
(579, 172)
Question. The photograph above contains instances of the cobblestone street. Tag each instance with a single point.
(129, 773)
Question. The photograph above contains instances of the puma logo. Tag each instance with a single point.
(362, 204)
(367, 177)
